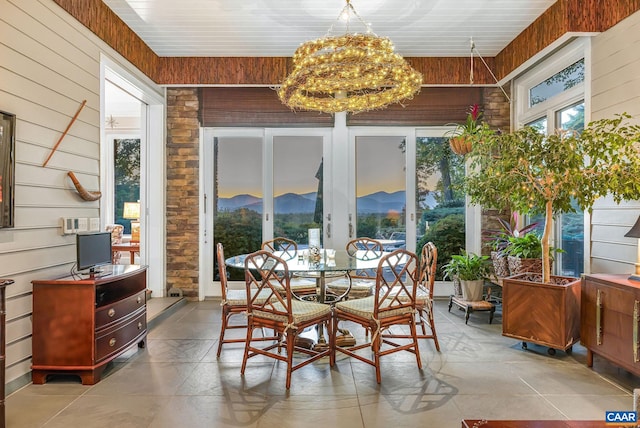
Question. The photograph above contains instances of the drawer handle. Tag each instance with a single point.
(635, 331)
(111, 312)
(139, 326)
(139, 299)
(112, 342)
(599, 317)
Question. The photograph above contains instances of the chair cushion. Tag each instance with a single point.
(364, 308)
(302, 311)
(360, 287)
(236, 297)
(298, 285)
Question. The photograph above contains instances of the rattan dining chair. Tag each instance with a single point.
(424, 296)
(358, 284)
(392, 303)
(267, 274)
(288, 249)
(234, 302)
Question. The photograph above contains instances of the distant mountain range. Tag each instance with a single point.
(291, 203)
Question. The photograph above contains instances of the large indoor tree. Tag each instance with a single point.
(533, 173)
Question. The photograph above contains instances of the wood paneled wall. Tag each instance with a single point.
(615, 87)
(50, 63)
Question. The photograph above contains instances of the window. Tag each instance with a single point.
(126, 155)
(555, 100)
(558, 83)
(440, 204)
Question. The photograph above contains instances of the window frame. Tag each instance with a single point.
(524, 114)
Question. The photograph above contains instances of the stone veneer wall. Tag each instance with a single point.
(497, 113)
(182, 190)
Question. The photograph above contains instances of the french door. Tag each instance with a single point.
(348, 182)
(381, 204)
(258, 184)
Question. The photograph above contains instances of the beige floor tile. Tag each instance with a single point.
(177, 381)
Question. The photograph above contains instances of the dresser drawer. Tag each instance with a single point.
(113, 313)
(114, 339)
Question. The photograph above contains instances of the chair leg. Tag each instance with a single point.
(291, 343)
(376, 344)
(414, 334)
(433, 331)
(246, 346)
(223, 328)
(332, 341)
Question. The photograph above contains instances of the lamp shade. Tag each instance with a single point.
(131, 210)
(634, 232)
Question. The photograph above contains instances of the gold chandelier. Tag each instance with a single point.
(353, 72)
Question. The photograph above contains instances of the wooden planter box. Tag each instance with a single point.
(544, 314)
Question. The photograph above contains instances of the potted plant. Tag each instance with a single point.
(462, 138)
(471, 270)
(533, 173)
(524, 253)
(501, 240)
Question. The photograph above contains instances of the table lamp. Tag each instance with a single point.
(132, 211)
(635, 233)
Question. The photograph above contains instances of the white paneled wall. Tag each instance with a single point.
(49, 64)
(615, 88)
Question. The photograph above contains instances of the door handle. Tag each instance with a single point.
(599, 317)
(328, 230)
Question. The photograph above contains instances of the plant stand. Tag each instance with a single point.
(469, 307)
(545, 314)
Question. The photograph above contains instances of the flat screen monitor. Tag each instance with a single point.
(93, 250)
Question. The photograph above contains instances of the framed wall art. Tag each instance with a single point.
(7, 168)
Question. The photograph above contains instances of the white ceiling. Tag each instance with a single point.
(431, 28)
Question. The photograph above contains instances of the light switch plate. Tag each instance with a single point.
(83, 225)
(94, 224)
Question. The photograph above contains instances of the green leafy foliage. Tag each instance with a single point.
(527, 246)
(447, 234)
(537, 174)
(467, 267)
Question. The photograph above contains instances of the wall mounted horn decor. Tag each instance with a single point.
(84, 193)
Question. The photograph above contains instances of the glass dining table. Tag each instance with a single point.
(329, 264)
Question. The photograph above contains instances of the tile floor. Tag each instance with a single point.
(176, 381)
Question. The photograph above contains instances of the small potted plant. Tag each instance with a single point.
(524, 253)
(471, 270)
(501, 240)
(462, 138)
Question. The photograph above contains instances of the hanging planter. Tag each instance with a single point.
(461, 144)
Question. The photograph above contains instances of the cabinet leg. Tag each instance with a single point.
(141, 344)
(467, 312)
(450, 303)
(589, 358)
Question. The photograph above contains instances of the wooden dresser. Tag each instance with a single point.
(79, 325)
(609, 319)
